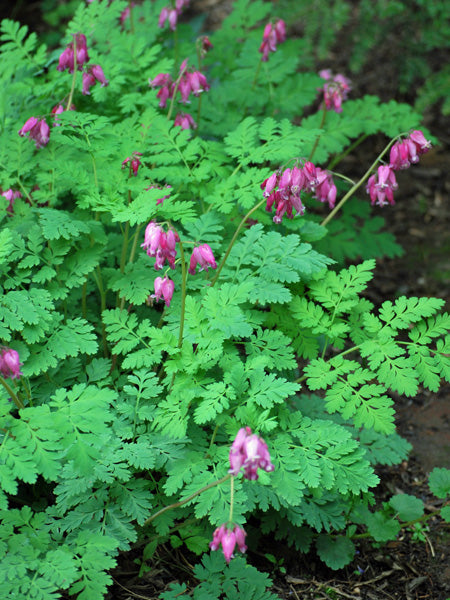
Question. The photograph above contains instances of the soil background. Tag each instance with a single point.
(420, 220)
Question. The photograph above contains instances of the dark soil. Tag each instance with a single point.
(404, 569)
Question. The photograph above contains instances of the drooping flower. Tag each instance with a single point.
(171, 14)
(165, 83)
(10, 195)
(57, 110)
(93, 74)
(164, 288)
(10, 363)
(67, 59)
(228, 538)
(381, 186)
(160, 245)
(272, 35)
(335, 90)
(406, 152)
(189, 81)
(202, 256)
(287, 197)
(205, 45)
(135, 162)
(185, 121)
(249, 451)
(325, 190)
(38, 129)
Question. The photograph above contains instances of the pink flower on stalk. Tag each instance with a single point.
(250, 452)
(189, 82)
(287, 197)
(135, 162)
(163, 289)
(67, 58)
(335, 90)
(228, 538)
(10, 363)
(171, 14)
(93, 74)
(205, 45)
(38, 129)
(185, 121)
(165, 83)
(57, 110)
(10, 195)
(381, 186)
(325, 190)
(406, 152)
(160, 245)
(273, 35)
(203, 256)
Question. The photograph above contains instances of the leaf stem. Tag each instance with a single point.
(17, 401)
(230, 518)
(183, 295)
(358, 184)
(233, 239)
(316, 143)
(74, 77)
(181, 502)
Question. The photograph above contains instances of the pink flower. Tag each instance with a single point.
(135, 162)
(160, 245)
(163, 289)
(165, 82)
(10, 363)
(10, 195)
(272, 35)
(185, 121)
(405, 152)
(381, 186)
(171, 14)
(250, 452)
(335, 90)
(38, 129)
(203, 256)
(206, 45)
(228, 538)
(92, 74)
(287, 197)
(325, 190)
(67, 58)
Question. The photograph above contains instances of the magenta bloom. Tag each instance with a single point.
(228, 538)
(171, 14)
(10, 195)
(185, 121)
(10, 363)
(287, 197)
(135, 162)
(381, 186)
(272, 35)
(67, 58)
(406, 152)
(160, 245)
(203, 256)
(335, 90)
(93, 74)
(325, 190)
(163, 289)
(250, 452)
(38, 129)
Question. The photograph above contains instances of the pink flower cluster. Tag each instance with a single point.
(228, 538)
(202, 256)
(162, 246)
(381, 186)
(76, 54)
(273, 35)
(335, 90)
(250, 452)
(185, 121)
(38, 129)
(290, 183)
(10, 195)
(407, 152)
(171, 14)
(134, 161)
(188, 82)
(10, 363)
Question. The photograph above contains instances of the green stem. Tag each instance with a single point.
(17, 401)
(101, 289)
(130, 6)
(181, 502)
(74, 77)
(360, 536)
(337, 159)
(316, 143)
(230, 518)
(258, 69)
(177, 83)
(213, 438)
(83, 299)
(357, 185)
(233, 239)
(183, 295)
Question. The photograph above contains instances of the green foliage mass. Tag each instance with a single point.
(124, 409)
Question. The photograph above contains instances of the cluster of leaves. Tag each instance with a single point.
(122, 409)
